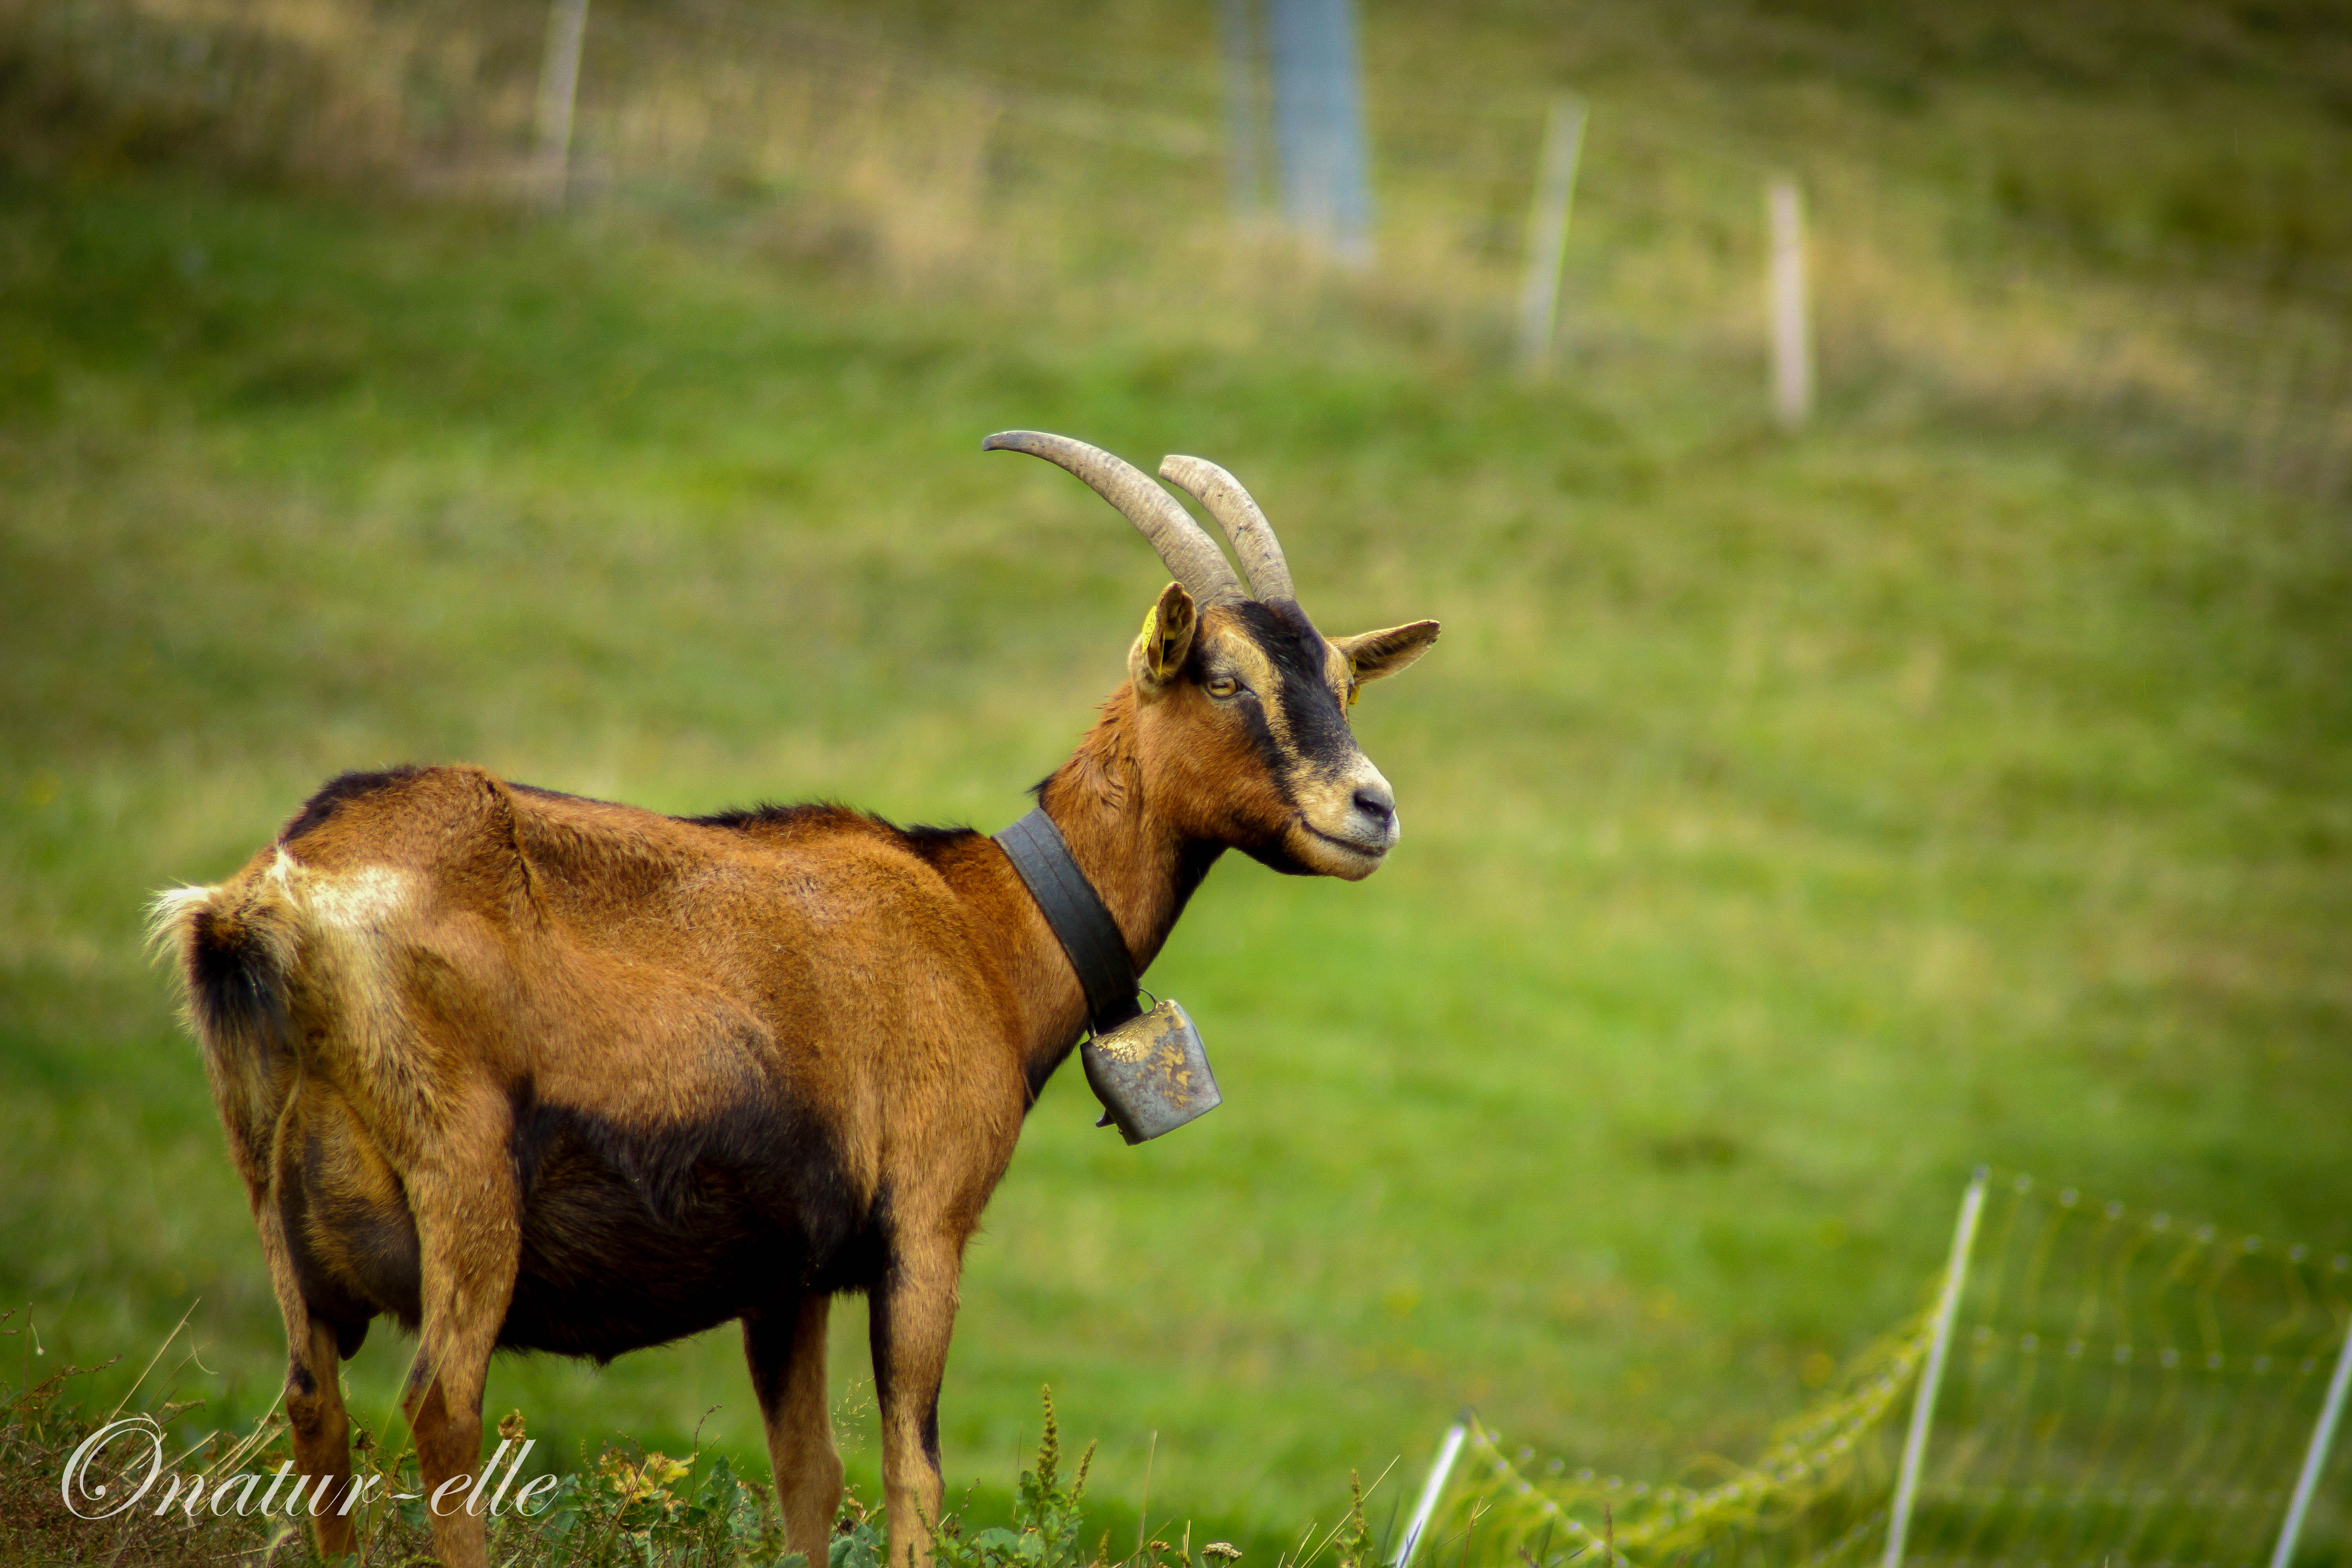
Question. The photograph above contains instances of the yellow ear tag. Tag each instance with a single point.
(1355, 686)
(1150, 643)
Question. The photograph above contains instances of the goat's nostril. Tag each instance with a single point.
(1375, 803)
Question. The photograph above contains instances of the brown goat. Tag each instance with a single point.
(530, 1072)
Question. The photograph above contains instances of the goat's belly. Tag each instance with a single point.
(631, 1237)
(634, 1239)
(601, 1273)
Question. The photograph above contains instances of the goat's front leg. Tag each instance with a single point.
(786, 1350)
(470, 1230)
(913, 1315)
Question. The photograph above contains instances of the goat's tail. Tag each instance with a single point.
(233, 947)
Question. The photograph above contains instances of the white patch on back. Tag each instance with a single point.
(352, 924)
(357, 902)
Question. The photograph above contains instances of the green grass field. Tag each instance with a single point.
(1791, 824)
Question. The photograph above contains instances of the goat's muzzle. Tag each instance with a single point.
(1346, 828)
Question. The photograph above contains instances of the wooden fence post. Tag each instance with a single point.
(559, 82)
(1792, 352)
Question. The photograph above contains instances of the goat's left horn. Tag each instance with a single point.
(1240, 517)
(1190, 553)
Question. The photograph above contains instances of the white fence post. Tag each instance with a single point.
(1792, 353)
(559, 82)
(1432, 1491)
(2314, 1458)
(1548, 232)
(1923, 1402)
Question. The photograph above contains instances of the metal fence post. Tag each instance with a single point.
(1238, 40)
(1318, 124)
(1430, 1491)
(1548, 232)
(2314, 1458)
(1923, 1402)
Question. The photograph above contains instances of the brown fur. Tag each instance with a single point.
(524, 1070)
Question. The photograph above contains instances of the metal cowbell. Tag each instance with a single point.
(1151, 1073)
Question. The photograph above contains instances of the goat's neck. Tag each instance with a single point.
(1143, 868)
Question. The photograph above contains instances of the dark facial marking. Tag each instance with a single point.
(1318, 726)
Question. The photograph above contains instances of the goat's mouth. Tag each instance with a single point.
(1354, 857)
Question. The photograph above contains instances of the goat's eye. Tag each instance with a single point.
(1222, 686)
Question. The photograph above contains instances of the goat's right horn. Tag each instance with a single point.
(1240, 517)
(1190, 553)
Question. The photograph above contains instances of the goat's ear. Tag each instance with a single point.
(1167, 639)
(1375, 654)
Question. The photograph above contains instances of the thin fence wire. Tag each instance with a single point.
(2124, 1389)
(2128, 1388)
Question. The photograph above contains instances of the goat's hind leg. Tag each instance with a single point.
(786, 1348)
(468, 1215)
(321, 1432)
(315, 1417)
(232, 942)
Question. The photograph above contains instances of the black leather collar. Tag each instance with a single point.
(1083, 927)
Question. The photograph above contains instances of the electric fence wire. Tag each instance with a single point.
(2127, 1389)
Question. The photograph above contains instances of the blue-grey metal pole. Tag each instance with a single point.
(1318, 124)
(1238, 38)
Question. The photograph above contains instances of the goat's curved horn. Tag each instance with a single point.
(1190, 553)
(1238, 515)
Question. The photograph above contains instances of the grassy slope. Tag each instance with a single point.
(1790, 825)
